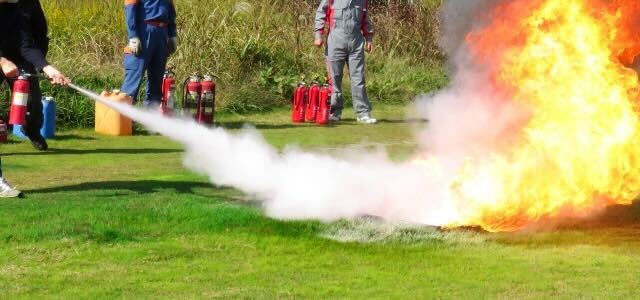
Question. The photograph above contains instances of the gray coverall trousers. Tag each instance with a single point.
(350, 27)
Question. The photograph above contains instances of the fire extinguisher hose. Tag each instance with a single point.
(86, 92)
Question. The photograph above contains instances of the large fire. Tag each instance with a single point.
(580, 148)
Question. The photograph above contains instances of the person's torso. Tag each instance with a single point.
(347, 16)
(10, 38)
(36, 22)
(154, 10)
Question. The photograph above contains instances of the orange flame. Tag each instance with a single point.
(580, 150)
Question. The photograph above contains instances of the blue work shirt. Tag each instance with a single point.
(139, 11)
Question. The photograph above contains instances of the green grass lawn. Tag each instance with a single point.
(108, 217)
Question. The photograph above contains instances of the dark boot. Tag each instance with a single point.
(38, 142)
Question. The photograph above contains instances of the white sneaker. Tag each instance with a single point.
(334, 119)
(7, 190)
(367, 120)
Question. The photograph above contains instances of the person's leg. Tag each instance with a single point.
(336, 58)
(133, 73)
(356, 64)
(134, 68)
(34, 118)
(157, 63)
(6, 189)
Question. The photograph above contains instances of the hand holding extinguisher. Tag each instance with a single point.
(9, 69)
(56, 76)
(21, 88)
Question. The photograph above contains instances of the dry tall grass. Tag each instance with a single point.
(257, 48)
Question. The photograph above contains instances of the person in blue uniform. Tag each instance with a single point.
(151, 28)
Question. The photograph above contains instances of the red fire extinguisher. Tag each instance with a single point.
(324, 107)
(206, 109)
(168, 93)
(312, 103)
(300, 95)
(19, 101)
(192, 95)
(4, 132)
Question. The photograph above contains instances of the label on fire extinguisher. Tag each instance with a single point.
(208, 97)
(170, 100)
(20, 99)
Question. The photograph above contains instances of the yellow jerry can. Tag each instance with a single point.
(111, 122)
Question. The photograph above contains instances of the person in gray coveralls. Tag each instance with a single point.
(350, 35)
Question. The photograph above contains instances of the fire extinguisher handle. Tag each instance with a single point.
(29, 75)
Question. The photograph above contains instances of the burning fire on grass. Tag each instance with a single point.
(540, 122)
(574, 147)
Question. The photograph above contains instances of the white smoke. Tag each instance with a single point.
(295, 184)
(469, 118)
(347, 187)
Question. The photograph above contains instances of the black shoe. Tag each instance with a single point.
(38, 142)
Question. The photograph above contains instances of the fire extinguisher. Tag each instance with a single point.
(168, 93)
(4, 132)
(312, 103)
(19, 100)
(192, 95)
(206, 109)
(324, 107)
(299, 100)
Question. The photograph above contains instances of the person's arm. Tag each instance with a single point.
(367, 27)
(36, 22)
(173, 30)
(134, 46)
(322, 15)
(35, 56)
(28, 49)
(130, 17)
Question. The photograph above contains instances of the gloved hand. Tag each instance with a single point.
(173, 45)
(135, 46)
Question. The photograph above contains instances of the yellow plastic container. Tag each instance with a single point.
(111, 122)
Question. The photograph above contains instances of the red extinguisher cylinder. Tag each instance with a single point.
(299, 101)
(4, 132)
(312, 104)
(19, 100)
(324, 107)
(168, 93)
(206, 109)
(194, 93)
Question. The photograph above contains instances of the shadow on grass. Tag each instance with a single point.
(403, 121)
(139, 187)
(122, 222)
(66, 137)
(55, 151)
(240, 125)
(347, 121)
